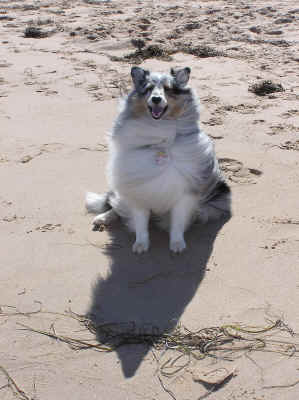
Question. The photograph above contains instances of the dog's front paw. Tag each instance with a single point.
(178, 246)
(105, 218)
(99, 223)
(99, 220)
(141, 247)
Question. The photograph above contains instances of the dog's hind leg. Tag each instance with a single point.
(217, 205)
(105, 218)
(180, 218)
(139, 223)
(97, 203)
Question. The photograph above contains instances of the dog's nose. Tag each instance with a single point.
(156, 99)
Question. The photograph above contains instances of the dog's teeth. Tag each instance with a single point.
(157, 112)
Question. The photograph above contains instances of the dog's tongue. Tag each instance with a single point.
(157, 112)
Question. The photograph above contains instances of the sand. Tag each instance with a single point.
(58, 98)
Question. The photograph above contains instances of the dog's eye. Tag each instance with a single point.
(169, 91)
(176, 90)
(148, 90)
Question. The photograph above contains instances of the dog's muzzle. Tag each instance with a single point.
(157, 105)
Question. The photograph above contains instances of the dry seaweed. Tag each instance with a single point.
(171, 394)
(202, 51)
(151, 51)
(34, 32)
(289, 145)
(75, 344)
(164, 53)
(265, 87)
(286, 221)
(225, 342)
(17, 392)
(281, 386)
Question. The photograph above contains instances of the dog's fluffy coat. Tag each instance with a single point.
(161, 164)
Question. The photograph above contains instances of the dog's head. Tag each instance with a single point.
(161, 94)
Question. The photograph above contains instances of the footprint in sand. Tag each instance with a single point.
(210, 99)
(289, 145)
(12, 218)
(290, 113)
(49, 147)
(45, 148)
(240, 108)
(118, 85)
(6, 203)
(48, 227)
(3, 159)
(235, 171)
(97, 147)
(281, 128)
(46, 91)
(213, 121)
(5, 64)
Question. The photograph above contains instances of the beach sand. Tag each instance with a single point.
(58, 97)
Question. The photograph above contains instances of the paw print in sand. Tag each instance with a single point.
(236, 172)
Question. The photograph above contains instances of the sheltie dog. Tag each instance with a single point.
(162, 166)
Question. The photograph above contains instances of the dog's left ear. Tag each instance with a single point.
(181, 76)
(139, 77)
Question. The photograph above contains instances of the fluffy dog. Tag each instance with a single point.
(161, 165)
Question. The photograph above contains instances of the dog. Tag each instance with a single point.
(162, 166)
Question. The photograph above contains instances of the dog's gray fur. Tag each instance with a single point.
(161, 164)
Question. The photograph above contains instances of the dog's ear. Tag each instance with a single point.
(139, 77)
(181, 76)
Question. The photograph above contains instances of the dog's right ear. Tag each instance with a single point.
(139, 77)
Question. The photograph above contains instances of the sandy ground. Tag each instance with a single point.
(58, 98)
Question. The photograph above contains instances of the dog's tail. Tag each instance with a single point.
(97, 203)
(218, 203)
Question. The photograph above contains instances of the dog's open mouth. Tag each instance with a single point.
(157, 111)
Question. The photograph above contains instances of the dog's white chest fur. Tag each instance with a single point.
(151, 167)
(157, 185)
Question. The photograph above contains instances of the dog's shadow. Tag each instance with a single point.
(149, 292)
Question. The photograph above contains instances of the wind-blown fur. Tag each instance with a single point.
(161, 164)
